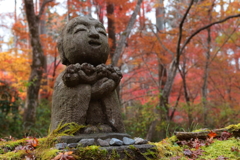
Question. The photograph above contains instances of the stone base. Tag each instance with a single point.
(76, 139)
(132, 152)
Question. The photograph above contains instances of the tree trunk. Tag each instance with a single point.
(186, 93)
(162, 72)
(125, 34)
(42, 31)
(38, 62)
(206, 70)
(111, 28)
(205, 79)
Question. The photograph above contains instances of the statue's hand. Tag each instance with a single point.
(102, 71)
(87, 73)
(88, 69)
(70, 76)
(102, 87)
(110, 72)
(114, 74)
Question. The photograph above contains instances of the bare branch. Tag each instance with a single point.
(42, 8)
(181, 29)
(205, 27)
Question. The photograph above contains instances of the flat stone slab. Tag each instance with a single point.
(95, 136)
(136, 152)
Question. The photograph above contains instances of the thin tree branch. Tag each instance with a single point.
(181, 29)
(150, 73)
(42, 8)
(205, 27)
(176, 104)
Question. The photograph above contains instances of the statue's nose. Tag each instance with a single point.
(93, 33)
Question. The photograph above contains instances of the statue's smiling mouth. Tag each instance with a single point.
(94, 43)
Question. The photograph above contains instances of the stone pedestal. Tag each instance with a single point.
(95, 136)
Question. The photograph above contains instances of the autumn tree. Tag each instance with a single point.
(181, 45)
(38, 60)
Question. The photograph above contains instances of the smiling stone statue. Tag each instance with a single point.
(85, 92)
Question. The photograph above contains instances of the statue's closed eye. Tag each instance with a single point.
(79, 30)
(101, 31)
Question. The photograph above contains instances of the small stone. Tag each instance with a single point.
(128, 141)
(116, 142)
(61, 146)
(86, 142)
(102, 143)
(140, 141)
(72, 145)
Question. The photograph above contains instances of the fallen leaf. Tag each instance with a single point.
(212, 134)
(225, 135)
(64, 156)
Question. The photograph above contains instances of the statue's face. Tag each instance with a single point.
(85, 40)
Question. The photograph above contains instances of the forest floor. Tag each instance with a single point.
(223, 144)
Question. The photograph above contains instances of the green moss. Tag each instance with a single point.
(150, 153)
(66, 129)
(128, 155)
(12, 144)
(114, 155)
(91, 152)
(202, 130)
(132, 147)
(233, 128)
(46, 153)
(168, 148)
(19, 155)
(221, 148)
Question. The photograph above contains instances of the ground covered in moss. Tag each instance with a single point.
(227, 146)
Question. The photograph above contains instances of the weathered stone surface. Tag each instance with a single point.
(85, 92)
(86, 142)
(102, 143)
(140, 141)
(128, 141)
(61, 146)
(95, 136)
(72, 145)
(135, 151)
(116, 142)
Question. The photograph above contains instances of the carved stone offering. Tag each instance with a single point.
(85, 92)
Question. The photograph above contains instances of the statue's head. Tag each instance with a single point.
(83, 39)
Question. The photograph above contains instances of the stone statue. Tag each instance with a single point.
(85, 92)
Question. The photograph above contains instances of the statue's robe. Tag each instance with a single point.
(75, 104)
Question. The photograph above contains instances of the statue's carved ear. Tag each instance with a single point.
(61, 50)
